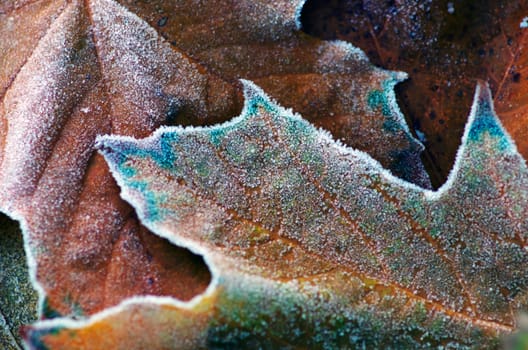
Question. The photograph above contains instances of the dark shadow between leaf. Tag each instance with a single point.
(184, 274)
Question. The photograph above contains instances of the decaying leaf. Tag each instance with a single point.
(315, 78)
(315, 245)
(79, 69)
(445, 46)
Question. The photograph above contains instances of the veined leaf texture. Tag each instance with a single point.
(307, 242)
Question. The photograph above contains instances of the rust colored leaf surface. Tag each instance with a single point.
(315, 245)
(444, 46)
(329, 83)
(72, 70)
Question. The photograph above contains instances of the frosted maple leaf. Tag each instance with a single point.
(313, 244)
(79, 69)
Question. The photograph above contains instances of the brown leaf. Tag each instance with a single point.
(445, 46)
(79, 69)
(317, 79)
(315, 245)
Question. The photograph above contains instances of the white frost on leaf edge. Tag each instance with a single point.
(482, 92)
(524, 23)
(298, 5)
(298, 10)
(250, 91)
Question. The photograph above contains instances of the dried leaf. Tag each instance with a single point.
(315, 245)
(323, 81)
(84, 68)
(445, 46)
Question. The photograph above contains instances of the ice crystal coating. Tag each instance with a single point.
(314, 244)
(524, 23)
(444, 54)
(18, 300)
(79, 69)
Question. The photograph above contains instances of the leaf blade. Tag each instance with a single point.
(99, 68)
(157, 181)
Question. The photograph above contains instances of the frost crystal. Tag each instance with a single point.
(450, 8)
(304, 231)
(524, 23)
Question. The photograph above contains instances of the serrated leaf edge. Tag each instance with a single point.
(252, 93)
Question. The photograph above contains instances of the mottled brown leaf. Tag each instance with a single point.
(444, 46)
(72, 70)
(314, 245)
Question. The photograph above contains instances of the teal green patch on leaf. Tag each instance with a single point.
(315, 245)
(35, 337)
(48, 312)
(377, 99)
(486, 123)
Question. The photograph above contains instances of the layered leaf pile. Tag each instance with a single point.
(445, 46)
(312, 244)
(259, 232)
(81, 69)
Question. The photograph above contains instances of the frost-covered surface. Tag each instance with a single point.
(327, 82)
(524, 23)
(18, 300)
(86, 68)
(314, 244)
(443, 53)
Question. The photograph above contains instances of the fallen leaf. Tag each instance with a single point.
(72, 70)
(445, 46)
(315, 245)
(321, 80)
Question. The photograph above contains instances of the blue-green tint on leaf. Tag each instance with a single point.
(382, 100)
(48, 312)
(377, 99)
(315, 245)
(488, 124)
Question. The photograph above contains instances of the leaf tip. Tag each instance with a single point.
(115, 148)
(485, 141)
(484, 122)
(255, 98)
